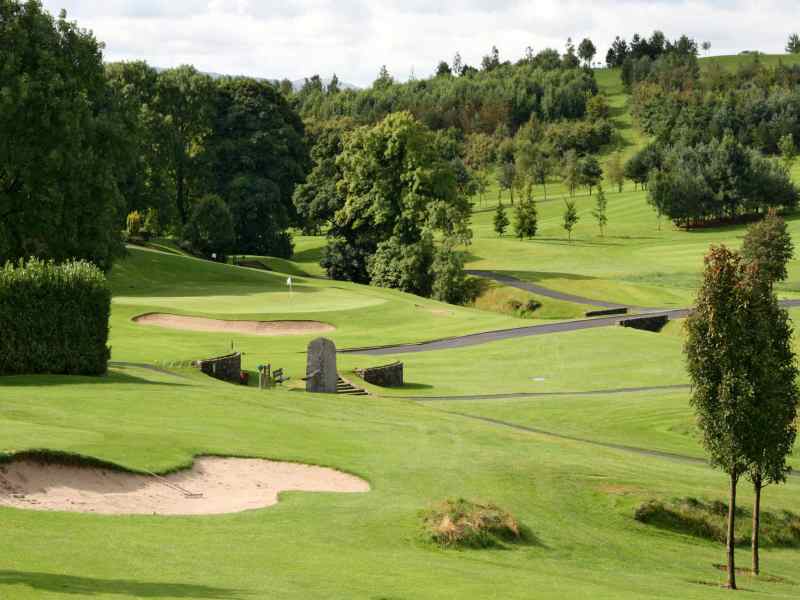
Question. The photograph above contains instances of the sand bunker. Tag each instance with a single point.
(246, 327)
(211, 486)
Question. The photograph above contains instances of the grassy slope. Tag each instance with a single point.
(577, 498)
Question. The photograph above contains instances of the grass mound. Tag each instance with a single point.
(464, 524)
(707, 520)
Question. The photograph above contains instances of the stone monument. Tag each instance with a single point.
(321, 374)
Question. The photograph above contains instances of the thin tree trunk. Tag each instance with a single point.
(731, 545)
(756, 524)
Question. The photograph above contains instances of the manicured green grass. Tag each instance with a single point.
(575, 494)
(577, 499)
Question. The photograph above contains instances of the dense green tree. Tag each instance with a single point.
(449, 278)
(318, 199)
(600, 212)
(143, 178)
(706, 47)
(590, 173)
(741, 363)
(254, 156)
(492, 60)
(61, 141)
(398, 190)
(384, 79)
(210, 227)
(182, 119)
(769, 245)
(788, 150)
(443, 69)
(526, 220)
(793, 45)
(587, 51)
(500, 219)
(615, 170)
(719, 180)
(773, 374)
(570, 217)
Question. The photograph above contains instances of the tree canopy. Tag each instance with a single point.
(61, 141)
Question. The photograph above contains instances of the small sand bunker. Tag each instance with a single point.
(245, 327)
(211, 486)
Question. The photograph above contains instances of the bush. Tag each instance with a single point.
(133, 224)
(54, 319)
(708, 520)
(450, 282)
(460, 523)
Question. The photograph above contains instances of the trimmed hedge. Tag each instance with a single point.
(54, 318)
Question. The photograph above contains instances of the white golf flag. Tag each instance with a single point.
(289, 281)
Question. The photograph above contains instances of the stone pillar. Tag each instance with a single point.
(321, 374)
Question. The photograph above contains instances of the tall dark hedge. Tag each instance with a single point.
(54, 318)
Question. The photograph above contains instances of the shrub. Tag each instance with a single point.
(460, 523)
(133, 224)
(54, 318)
(708, 520)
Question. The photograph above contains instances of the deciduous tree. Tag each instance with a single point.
(570, 217)
(500, 219)
(61, 141)
(600, 211)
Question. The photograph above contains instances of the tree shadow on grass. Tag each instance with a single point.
(87, 587)
(115, 378)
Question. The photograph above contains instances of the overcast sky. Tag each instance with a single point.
(353, 38)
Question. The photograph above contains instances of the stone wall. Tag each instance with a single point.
(385, 376)
(226, 368)
(655, 323)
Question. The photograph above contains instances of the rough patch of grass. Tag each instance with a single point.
(464, 524)
(707, 520)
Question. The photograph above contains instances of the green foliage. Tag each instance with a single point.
(54, 318)
(600, 212)
(769, 245)
(793, 45)
(152, 223)
(718, 180)
(210, 227)
(503, 95)
(788, 150)
(707, 520)
(61, 142)
(464, 524)
(526, 221)
(255, 155)
(397, 188)
(570, 217)
(501, 221)
(181, 118)
(133, 224)
(404, 266)
(615, 170)
(571, 171)
(589, 172)
(757, 104)
(450, 283)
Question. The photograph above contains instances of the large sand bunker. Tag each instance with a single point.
(245, 327)
(211, 486)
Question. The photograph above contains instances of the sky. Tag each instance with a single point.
(354, 38)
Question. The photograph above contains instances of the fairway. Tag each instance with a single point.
(561, 383)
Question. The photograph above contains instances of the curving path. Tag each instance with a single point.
(543, 291)
(476, 339)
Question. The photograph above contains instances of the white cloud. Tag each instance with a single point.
(355, 37)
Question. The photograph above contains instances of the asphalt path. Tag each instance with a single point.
(543, 291)
(486, 337)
